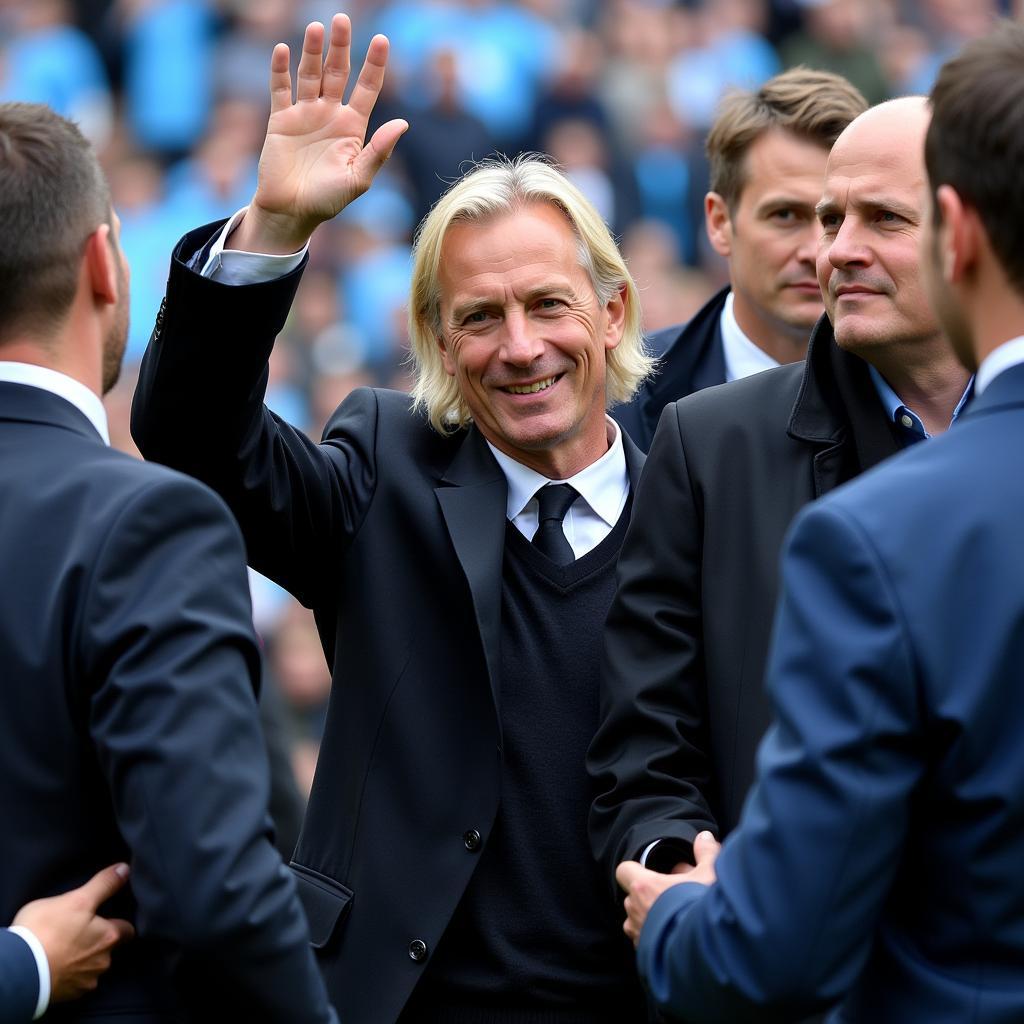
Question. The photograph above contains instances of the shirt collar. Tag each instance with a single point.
(742, 356)
(1010, 353)
(603, 485)
(85, 401)
(902, 415)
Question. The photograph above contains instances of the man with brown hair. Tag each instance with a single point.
(767, 151)
(878, 859)
(683, 700)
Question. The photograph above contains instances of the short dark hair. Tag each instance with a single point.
(812, 105)
(53, 196)
(975, 141)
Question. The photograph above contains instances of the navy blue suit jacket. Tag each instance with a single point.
(129, 730)
(19, 979)
(879, 858)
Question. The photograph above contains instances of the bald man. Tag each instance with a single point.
(684, 704)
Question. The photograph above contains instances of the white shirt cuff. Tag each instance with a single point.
(647, 852)
(232, 266)
(42, 965)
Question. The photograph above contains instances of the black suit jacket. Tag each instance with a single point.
(394, 535)
(19, 980)
(690, 358)
(128, 726)
(683, 701)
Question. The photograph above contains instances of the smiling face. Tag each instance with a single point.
(525, 337)
(770, 240)
(871, 215)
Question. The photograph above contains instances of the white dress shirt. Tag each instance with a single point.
(1010, 353)
(742, 357)
(85, 401)
(603, 488)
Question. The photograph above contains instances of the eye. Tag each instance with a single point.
(830, 221)
(784, 215)
(890, 219)
(547, 305)
(478, 316)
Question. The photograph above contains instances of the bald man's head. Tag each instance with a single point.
(872, 210)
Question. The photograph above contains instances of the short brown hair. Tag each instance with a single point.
(975, 141)
(53, 196)
(813, 105)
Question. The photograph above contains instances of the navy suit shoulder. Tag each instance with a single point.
(19, 979)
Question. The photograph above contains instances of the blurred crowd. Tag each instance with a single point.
(173, 93)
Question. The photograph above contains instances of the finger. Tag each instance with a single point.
(104, 884)
(280, 79)
(371, 77)
(337, 65)
(125, 930)
(307, 78)
(705, 848)
(627, 873)
(373, 156)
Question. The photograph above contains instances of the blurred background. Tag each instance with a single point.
(621, 93)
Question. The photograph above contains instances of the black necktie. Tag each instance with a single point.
(554, 501)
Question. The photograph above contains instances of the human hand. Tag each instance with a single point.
(77, 942)
(643, 887)
(314, 160)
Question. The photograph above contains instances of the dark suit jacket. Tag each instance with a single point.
(128, 727)
(19, 979)
(683, 701)
(880, 854)
(690, 358)
(394, 535)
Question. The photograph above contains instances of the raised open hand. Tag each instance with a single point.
(315, 160)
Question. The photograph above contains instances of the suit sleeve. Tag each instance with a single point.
(172, 661)
(802, 882)
(648, 758)
(199, 408)
(19, 979)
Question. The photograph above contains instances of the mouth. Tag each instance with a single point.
(853, 292)
(811, 287)
(533, 388)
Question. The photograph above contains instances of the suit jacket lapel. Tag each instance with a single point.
(473, 498)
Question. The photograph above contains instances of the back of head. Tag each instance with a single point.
(812, 105)
(976, 139)
(495, 187)
(53, 196)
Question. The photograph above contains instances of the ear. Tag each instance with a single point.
(615, 313)
(101, 266)
(957, 235)
(718, 224)
(446, 356)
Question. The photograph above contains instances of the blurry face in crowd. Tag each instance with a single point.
(771, 237)
(871, 213)
(525, 337)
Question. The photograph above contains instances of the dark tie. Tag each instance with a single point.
(554, 501)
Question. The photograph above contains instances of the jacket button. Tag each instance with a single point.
(471, 840)
(418, 950)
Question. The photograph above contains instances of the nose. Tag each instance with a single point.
(520, 344)
(848, 245)
(807, 247)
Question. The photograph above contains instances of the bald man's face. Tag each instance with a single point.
(872, 213)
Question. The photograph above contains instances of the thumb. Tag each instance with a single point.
(125, 929)
(104, 884)
(381, 146)
(627, 873)
(705, 848)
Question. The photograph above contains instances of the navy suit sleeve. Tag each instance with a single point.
(168, 642)
(648, 759)
(802, 883)
(19, 979)
(199, 408)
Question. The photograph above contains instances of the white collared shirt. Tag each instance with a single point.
(1010, 353)
(742, 357)
(603, 487)
(85, 401)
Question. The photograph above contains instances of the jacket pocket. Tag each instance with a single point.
(325, 901)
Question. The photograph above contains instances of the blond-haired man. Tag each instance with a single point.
(459, 594)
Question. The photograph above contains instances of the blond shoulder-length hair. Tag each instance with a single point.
(494, 187)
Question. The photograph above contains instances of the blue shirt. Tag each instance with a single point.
(908, 423)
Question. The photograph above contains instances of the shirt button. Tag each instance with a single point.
(472, 840)
(907, 421)
(418, 950)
